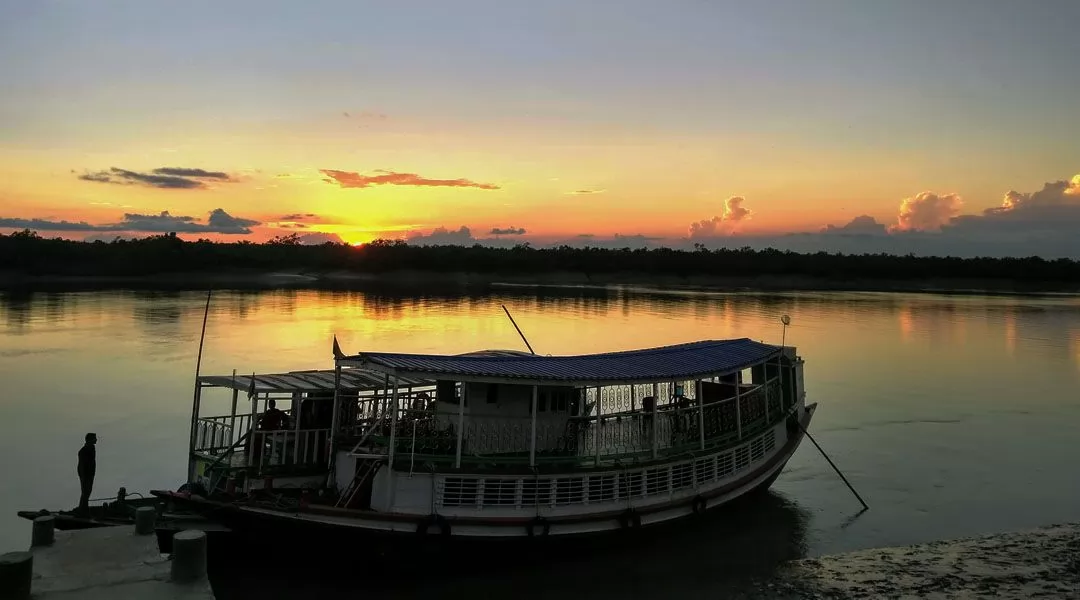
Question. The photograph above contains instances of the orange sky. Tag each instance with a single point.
(662, 115)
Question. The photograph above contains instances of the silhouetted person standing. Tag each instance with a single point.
(87, 468)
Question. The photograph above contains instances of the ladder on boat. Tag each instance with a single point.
(365, 470)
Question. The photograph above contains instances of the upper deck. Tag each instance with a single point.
(681, 362)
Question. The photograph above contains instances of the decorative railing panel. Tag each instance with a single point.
(531, 492)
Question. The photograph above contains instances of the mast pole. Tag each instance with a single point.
(198, 391)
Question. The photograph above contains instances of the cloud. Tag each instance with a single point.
(508, 231)
(585, 192)
(927, 211)
(1056, 193)
(174, 178)
(441, 236)
(347, 179)
(196, 173)
(298, 217)
(861, 225)
(734, 214)
(223, 222)
(47, 225)
(218, 221)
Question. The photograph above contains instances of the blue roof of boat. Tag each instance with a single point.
(683, 361)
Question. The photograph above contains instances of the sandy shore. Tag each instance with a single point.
(1040, 563)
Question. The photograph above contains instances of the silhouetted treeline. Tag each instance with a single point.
(27, 253)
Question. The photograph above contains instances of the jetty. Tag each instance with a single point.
(114, 563)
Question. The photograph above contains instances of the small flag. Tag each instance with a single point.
(251, 388)
(338, 354)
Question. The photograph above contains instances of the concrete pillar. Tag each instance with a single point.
(145, 518)
(189, 556)
(44, 531)
(16, 571)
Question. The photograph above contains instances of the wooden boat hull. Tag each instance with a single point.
(318, 529)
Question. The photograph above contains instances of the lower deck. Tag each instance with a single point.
(559, 505)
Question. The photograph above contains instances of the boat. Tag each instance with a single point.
(111, 511)
(120, 510)
(494, 445)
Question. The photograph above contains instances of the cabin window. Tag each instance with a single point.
(742, 457)
(682, 476)
(541, 402)
(601, 488)
(559, 401)
(569, 490)
(705, 470)
(536, 491)
(725, 465)
(460, 491)
(630, 485)
(447, 391)
(656, 481)
(500, 492)
(757, 449)
(492, 393)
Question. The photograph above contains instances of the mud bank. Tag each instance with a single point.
(1040, 563)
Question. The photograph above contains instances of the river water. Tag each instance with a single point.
(953, 415)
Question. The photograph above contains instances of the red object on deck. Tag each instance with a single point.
(268, 483)
(230, 486)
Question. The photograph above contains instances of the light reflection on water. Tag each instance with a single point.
(953, 415)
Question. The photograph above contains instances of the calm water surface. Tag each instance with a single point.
(952, 415)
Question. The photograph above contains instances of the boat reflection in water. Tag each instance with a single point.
(721, 554)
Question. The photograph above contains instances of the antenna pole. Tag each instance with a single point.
(527, 344)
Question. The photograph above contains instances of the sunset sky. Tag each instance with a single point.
(675, 121)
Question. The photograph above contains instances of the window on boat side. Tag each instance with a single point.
(447, 391)
(492, 393)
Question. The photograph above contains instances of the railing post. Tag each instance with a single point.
(596, 431)
(765, 395)
(251, 430)
(738, 403)
(655, 417)
(460, 424)
(296, 432)
(380, 407)
(532, 437)
(393, 423)
(700, 412)
(232, 415)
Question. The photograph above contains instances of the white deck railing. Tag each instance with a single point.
(289, 447)
(553, 491)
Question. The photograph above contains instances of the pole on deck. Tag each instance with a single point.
(527, 345)
(195, 399)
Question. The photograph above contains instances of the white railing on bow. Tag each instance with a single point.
(289, 447)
